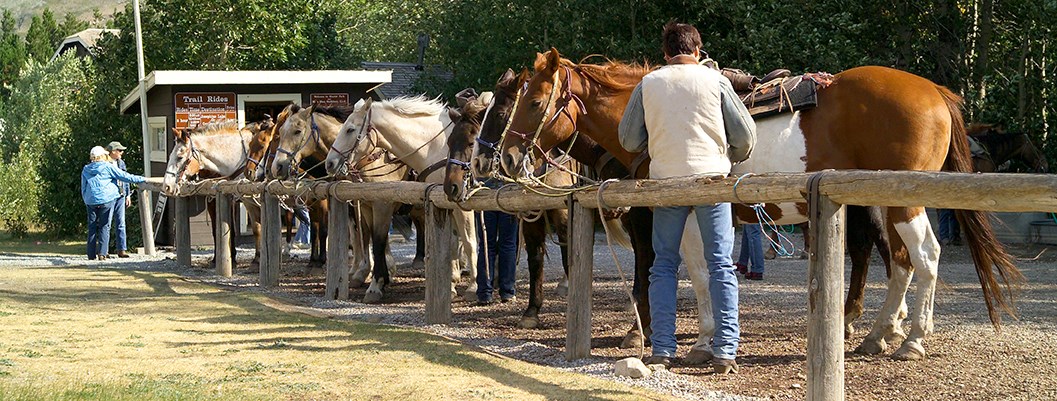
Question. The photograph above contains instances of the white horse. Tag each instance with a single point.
(415, 129)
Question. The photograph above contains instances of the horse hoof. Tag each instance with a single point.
(356, 283)
(849, 330)
(418, 264)
(372, 297)
(470, 296)
(895, 337)
(632, 340)
(910, 351)
(528, 322)
(562, 291)
(697, 357)
(871, 347)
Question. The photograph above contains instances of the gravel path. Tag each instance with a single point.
(967, 358)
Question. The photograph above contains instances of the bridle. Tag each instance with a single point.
(313, 136)
(178, 170)
(561, 105)
(366, 130)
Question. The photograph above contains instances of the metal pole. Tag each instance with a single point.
(142, 92)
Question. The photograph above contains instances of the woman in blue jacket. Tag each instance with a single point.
(99, 191)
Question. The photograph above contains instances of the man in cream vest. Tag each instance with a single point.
(694, 124)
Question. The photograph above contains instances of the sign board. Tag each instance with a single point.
(330, 99)
(194, 108)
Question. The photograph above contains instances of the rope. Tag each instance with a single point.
(623, 277)
(779, 241)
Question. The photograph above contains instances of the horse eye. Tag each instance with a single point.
(536, 104)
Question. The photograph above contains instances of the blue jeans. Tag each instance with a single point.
(751, 254)
(304, 225)
(119, 225)
(717, 233)
(949, 229)
(501, 236)
(99, 217)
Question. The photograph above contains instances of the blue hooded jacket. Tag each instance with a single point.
(99, 182)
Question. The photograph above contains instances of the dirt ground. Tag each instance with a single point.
(967, 358)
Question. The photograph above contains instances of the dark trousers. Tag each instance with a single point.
(501, 238)
(99, 217)
(121, 242)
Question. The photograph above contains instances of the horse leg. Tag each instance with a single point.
(535, 234)
(640, 224)
(361, 244)
(289, 220)
(418, 218)
(859, 248)
(318, 216)
(924, 252)
(254, 213)
(693, 250)
(887, 328)
(466, 229)
(381, 219)
(559, 221)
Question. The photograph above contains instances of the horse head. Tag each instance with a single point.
(183, 161)
(466, 127)
(494, 122)
(353, 141)
(537, 124)
(298, 137)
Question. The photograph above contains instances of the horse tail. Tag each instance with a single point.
(617, 234)
(988, 253)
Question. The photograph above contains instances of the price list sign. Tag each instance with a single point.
(193, 109)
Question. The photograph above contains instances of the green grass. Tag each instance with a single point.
(41, 243)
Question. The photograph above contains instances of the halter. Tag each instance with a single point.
(561, 105)
(195, 154)
(314, 135)
(366, 128)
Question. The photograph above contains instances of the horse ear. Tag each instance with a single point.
(178, 134)
(524, 76)
(294, 107)
(554, 60)
(506, 79)
(359, 104)
(454, 114)
(540, 63)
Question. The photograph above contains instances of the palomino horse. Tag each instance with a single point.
(636, 221)
(1001, 147)
(414, 129)
(307, 135)
(869, 118)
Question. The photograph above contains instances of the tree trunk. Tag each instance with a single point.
(983, 43)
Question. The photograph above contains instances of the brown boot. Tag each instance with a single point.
(724, 366)
(122, 254)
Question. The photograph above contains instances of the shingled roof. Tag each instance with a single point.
(405, 75)
(83, 41)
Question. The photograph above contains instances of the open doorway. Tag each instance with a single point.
(253, 107)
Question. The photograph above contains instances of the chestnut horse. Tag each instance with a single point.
(637, 222)
(869, 118)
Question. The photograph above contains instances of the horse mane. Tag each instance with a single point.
(341, 113)
(611, 74)
(218, 128)
(415, 105)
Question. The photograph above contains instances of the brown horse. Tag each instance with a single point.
(1000, 147)
(869, 118)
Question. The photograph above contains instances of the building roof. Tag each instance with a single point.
(155, 78)
(405, 75)
(86, 39)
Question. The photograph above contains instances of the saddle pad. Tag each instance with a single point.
(781, 96)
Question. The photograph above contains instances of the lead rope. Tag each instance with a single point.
(779, 241)
(623, 277)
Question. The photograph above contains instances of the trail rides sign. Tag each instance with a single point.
(330, 99)
(194, 108)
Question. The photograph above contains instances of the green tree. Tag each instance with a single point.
(43, 37)
(12, 53)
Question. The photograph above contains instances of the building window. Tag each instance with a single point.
(158, 139)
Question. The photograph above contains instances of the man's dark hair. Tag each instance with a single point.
(680, 39)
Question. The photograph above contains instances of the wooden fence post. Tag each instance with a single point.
(825, 327)
(338, 250)
(222, 250)
(271, 233)
(145, 219)
(183, 232)
(439, 262)
(581, 264)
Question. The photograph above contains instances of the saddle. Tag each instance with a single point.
(777, 92)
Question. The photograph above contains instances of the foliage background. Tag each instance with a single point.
(999, 54)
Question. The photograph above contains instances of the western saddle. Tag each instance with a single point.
(777, 92)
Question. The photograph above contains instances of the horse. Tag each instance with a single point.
(414, 129)
(634, 234)
(310, 132)
(910, 124)
(1000, 147)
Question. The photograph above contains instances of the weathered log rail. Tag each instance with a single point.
(826, 192)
